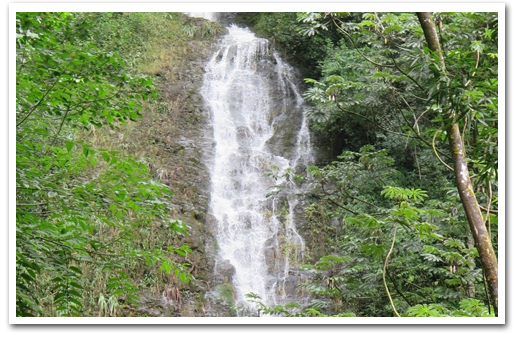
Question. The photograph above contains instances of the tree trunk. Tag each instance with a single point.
(473, 212)
(463, 183)
(431, 37)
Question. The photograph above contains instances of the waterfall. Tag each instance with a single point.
(258, 124)
(205, 15)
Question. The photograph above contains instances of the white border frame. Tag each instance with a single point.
(256, 7)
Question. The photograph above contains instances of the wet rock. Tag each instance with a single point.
(225, 270)
(270, 254)
(226, 18)
(243, 133)
(180, 138)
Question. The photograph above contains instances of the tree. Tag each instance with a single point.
(463, 182)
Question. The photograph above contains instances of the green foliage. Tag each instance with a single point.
(469, 307)
(208, 28)
(379, 88)
(84, 214)
(423, 310)
(150, 42)
(379, 74)
(433, 260)
(403, 194)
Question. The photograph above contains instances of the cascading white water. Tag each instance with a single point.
(205, 15)
(258, 123)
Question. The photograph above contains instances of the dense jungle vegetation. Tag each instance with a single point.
(403, 206)
(94, 223)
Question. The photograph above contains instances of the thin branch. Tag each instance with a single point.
(415, 125)
(414, 115)
(378, 19)
(489, 203)
(38, 103)
(342, 293)
(474, 73)
(436, 152)
(426, 292)
(421, 115)
(369, 120)
(58, 130)
(492, 211)
(46, 93)
(35, 204)
(464, 127)
(334, 202)
(417, 163)
(405, 74)
(486, 292)
(107, 98)
(418, 136)
(384, 269)
(417, 97)
(363, 201)
(341, 206)
(397, 289)
(40, 213)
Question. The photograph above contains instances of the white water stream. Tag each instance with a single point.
(253, 101)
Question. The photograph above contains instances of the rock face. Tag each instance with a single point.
(177, 138)
(191, 183)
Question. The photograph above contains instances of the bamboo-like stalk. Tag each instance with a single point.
(386, 261)
(463, 183)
